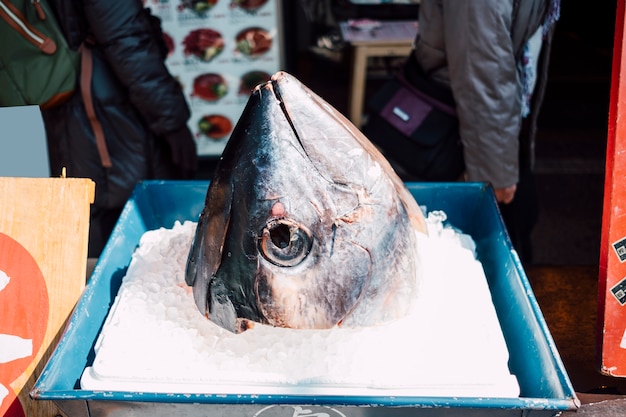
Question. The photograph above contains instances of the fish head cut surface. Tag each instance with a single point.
(305, 224)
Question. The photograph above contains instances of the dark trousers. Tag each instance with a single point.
(101, 225)
(521, 214)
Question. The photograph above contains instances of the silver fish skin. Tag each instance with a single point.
(305, 224)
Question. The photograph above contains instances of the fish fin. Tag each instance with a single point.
(218, 217)
(205, 254)
(191, 270)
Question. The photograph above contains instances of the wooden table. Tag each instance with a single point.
(391, 38)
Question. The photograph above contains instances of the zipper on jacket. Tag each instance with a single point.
(16, 20)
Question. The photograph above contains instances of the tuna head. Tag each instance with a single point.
(305, 223)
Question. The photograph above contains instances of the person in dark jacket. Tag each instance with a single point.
(493, 55)
(141, 109)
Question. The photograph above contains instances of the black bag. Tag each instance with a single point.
(413, 121)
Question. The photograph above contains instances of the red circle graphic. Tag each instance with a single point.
(23, 311)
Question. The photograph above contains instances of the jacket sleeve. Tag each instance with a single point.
(123, 29)
(484, 80)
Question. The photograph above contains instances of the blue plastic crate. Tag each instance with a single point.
(544, 384)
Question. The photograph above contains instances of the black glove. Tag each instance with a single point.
(184, 153)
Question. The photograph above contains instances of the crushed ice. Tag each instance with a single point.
(155, 338)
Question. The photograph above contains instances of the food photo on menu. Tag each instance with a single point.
(219, 51)
(201, 7)
(215, 126)
(210, 86)
(204, 44)
(254, 41)
(251, 79)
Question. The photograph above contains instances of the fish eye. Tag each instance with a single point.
(284, 242)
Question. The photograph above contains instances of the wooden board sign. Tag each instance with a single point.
(611, 325)
(44, 224)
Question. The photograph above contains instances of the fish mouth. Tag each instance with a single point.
(289, 93)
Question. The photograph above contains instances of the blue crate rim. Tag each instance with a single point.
(568, 402)
(520, 403)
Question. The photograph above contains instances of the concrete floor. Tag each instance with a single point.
(567, 298)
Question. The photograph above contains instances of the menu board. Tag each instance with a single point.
(219, 50)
